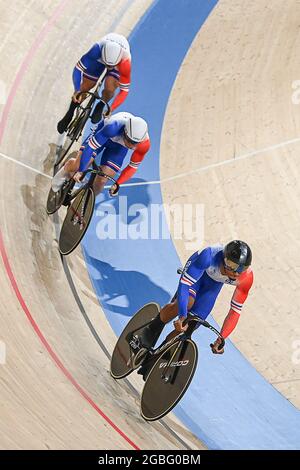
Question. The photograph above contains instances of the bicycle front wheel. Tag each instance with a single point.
(61, 158)
(54, 201)
(74, 132)
(77, 220)
(169, 379)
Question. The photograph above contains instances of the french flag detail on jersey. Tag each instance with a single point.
(124, 86)
(93, 143)
(80, 66)
(192, 292)
(114, 73)
(236, 307)
(91, 77)
(113, 165)
(187, 279)
(134, 165)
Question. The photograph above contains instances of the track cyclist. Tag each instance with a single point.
(112, 53)
(110, 141)
(203, 277)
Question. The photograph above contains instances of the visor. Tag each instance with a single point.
(134, 142)
(235, 267)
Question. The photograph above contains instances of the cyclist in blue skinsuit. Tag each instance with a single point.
(202, 279)
(110, 141)
(113, 54)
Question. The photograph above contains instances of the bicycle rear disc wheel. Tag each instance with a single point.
(77, 220)
(56, 199)
(120, 365)
(160, 396)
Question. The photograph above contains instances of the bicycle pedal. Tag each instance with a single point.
(139, 357)
(134, 342)
(67, 201)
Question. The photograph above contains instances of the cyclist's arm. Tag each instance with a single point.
(238, 299)
(190, 276)
(136, 159)
(84, 64)
(95, 142)
(124, 84)
(86, 157)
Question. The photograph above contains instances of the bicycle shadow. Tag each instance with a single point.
(117, 288)
(34, 197)
(41, 230)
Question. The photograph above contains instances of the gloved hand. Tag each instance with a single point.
(178, 325)
(113, 190)
(77, 177)
(79, 96)
(107, 113)
(215, 345)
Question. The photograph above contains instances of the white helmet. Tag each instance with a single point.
(136, 129)
(111, 53)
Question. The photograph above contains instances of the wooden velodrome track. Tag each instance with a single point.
(237, 84)
(233, 98)
(56, 391)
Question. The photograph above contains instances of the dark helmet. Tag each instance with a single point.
(237, 256)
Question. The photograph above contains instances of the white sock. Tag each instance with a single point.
(59, 179)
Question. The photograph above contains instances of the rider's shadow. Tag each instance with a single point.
(120, 291)
(34, 197)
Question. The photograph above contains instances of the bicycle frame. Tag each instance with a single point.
(94, 94)
(95, 171)
(182, 337)
(81, 116)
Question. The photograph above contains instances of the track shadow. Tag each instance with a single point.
(124, 292)
(34, 198)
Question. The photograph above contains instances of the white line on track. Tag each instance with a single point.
(6, 157)
(219, 164)
(232, 160)
(181, 175)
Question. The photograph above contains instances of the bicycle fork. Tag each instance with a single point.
(78, 217)
(169, 378)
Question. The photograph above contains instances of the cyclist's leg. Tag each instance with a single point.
(152, 332)
(66, 172)
(170, 312)
(111, 83)
(86, 85)
(100, 181)
(202, 297)
(72, 165)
